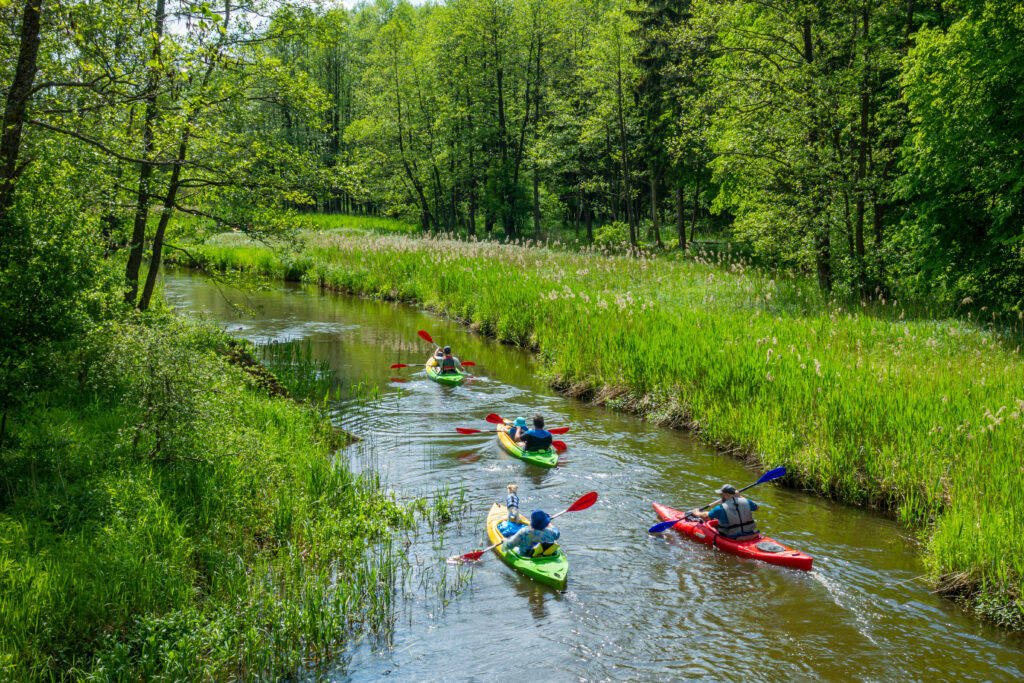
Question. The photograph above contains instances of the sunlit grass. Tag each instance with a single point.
(240, 552)
(866, 402)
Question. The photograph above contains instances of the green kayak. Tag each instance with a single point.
(451, 379)
(548, 458)
(551, 571)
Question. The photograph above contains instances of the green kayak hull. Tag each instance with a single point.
(548, 458)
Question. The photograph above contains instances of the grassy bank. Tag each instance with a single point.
(920, 416)
(161, 516)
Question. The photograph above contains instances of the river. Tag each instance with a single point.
(638, 607)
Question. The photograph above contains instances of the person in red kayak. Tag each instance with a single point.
(536, 540)
(536, 439)
(448, 364)
(734, 515)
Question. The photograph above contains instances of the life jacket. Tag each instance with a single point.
(512, 501)
(538, 440)
(447, 365)
(740, 518)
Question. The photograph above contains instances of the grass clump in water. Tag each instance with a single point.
(161, 518)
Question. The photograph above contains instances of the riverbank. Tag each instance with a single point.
(921, 417)
(166, 514)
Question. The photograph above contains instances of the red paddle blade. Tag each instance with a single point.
(425, 336)
(468, 362)
(472, 557)
(559, 445)
(463, 430)
(584, 502)
(400, 380)
(399, 365)
(495, 419)
(560, 430)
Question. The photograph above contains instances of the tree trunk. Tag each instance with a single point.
(680, 221)
(696, 210)
(17, 103)
(625, 161)
(862, 160)
(654, 211)
(165, 218)
(590, 223)
(138, 243)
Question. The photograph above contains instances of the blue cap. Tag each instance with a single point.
(539, 520)
(520, 422)
(447, 349)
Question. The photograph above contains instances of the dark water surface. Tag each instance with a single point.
(637, 607)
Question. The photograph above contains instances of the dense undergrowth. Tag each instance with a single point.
(163, 517)
(865, 403)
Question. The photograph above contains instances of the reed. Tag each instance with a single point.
(872, 402)
(246, 550)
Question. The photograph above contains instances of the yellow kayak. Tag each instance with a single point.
(552, 571)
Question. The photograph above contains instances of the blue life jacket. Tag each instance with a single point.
(512, 501)
(538, 440)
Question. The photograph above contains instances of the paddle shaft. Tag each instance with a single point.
(721, 500)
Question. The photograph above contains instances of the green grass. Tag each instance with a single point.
(159, 518)
(864, 403)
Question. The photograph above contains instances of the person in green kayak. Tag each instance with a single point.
(536, 439)
(536, 540)
(734, 515)
(448, 364)
(517, 429)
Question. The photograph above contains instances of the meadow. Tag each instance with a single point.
(867, 403)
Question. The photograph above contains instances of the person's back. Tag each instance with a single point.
(538, 438)
(539, 533)
(449, 364)
(735, 518)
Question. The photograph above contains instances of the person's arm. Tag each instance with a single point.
(515, 538)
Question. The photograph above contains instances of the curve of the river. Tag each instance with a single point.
(638, 607)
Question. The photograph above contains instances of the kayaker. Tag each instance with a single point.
(538, 438)
(734, 516)
(517, 429)
(449, 364)
(536, 540)
(512, 503)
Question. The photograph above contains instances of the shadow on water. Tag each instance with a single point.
(637, 607)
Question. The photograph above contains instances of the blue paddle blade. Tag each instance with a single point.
(772, 474)
(661, 526)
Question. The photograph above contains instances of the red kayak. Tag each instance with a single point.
(760, 548)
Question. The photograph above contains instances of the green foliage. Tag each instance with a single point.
(612, 235)
(239, 547)
(965, 158)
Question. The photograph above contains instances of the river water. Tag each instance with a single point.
(638, 607)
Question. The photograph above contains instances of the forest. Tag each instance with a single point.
(875, 145)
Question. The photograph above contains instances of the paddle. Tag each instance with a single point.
(767, 476)
(416, 365)
(426, 337)
(494, 418)
(583, 503)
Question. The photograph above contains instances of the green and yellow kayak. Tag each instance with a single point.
(451, 379)
(548, 458)
(551, 571)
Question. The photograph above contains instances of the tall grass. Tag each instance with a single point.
(871, 403)
(239, 546)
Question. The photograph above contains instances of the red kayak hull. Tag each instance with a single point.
(703, 532)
